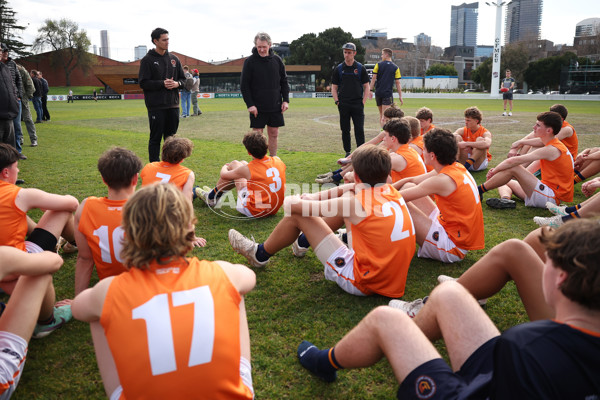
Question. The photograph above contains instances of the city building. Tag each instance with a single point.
(523, 21)
(588, 27)
(463, 25)
(139, 52)
(104, 44)
(422, 40)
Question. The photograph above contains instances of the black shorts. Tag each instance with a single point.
(436, 378)
(272, 119)
(43, 238)
(507, 96)
(384, 101)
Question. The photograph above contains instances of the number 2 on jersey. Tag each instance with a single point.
(397, 232)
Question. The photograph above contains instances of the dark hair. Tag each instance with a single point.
(399, 129)
(562, 110)
(118, 166)
(156, 33)
(176, 149)
(552, 120)
(424, 113)
(575, 248)
(372, 164)
(473, 112)
(256, 144)
(8, 155)
(393, 112)
(442, 143)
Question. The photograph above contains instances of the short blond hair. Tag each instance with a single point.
(415, 126)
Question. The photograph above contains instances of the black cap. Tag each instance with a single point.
(4, 47)
(349, 46)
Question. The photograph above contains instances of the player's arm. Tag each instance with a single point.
(373, 80)
(145, 77)
(188, 187)
(398, 162)
(376, 140)
(399, 85)
(242, 277)
(30, 198)
(565, 132)
(334, 92)
(439, 184)
(87, 305)
(338, 206)
(17, 262)
(329, 193)
(484, 142)
(242, 172)
(588, 188)
(414, 179)
(366, 92)
(85, 262)
(545, 153)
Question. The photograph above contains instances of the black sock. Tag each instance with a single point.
(570, 216)
(469, 163)
(303, 241)
(320, 362)
(481, 189)
(572, 209)
(261, 254)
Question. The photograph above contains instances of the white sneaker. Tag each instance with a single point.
(552, 222)
(504, 114)
(246, 247)
(510, 114)
(556, 210)
(328, 179)
(411, 308)
(202, 193)
(298, 250)
(446, 278)
(326, 175)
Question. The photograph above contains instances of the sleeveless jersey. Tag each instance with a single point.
(173, 331)
(422, 146)
(460, 212)
(469, 136)
(431, 126)
(164, 172)
(13, 221)
(414, 164)
(266, 186)
(100, 223)
(558, 174)
(571, 142)
(383, 242)
(418, 141)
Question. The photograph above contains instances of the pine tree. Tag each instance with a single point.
(10, 31)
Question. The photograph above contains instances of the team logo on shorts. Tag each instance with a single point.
(542, 187)
(425, 387)
(340, 262)
(436, 236)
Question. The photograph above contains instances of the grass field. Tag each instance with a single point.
(291, 301)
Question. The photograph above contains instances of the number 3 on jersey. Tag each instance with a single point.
(276, 185)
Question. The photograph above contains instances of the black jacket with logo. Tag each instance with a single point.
(264, 82)
(154, 69)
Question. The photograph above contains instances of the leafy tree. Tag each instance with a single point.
(515, 57)
(324, 49)
(482, 75)
(441, 69)
(546, 72)
(9, 31)
(70, 45)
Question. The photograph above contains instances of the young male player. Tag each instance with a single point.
(406, 162)
(260, 183)
(556, 164)
(98, 219)
(57, 220)
(587, 164)
(170, 326)
(453, 225)
(474, 142)
(380, 230)
(550, 359)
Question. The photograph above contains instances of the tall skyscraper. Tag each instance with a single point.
(423, 40)
(523, 20)
(104, 44)
(463, 25)
(139, 52)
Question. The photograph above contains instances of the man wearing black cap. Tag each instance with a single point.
(9, 107)
(350, 90)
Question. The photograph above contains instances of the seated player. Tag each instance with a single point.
(170, 326)
(556, 164)
(175, 149)
(425, 117)
(587, 164)
(416, 140)
(452, 225)
(57, 220)
(406, 162)
(19, 317)
(549, 359)
(380, 230)
(98, 229)
(260, 183)
(343, 173)
(474, 142)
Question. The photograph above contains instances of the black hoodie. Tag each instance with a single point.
(264, 82)
(154, 69)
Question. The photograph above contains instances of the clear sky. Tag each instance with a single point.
(218, 30)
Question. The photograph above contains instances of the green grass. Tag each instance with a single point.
(57, 90)
(291, 301)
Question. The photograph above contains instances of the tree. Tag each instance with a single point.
(324, 49)
(516, 57)
(545, 73)
(441, 69)
(70, 45)
(482, 75)
(9, 31)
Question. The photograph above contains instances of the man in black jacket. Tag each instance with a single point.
(8, 104)
(37, 96)
(161, 76)
(45, 90)
(265, 89)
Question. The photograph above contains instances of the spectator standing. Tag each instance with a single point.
(28, 90)
(8, 105)
(45, 90)
(195, 91)
(18, 86)
(70, 96)
(186, 94)
(37, 96)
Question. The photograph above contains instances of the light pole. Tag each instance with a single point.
(497, 48)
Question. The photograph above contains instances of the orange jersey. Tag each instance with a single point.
(571, 142)
(418, 141)
(173, 331)
(164, 172)
(469, 136)
(460, 212)
(13, 220)
(383, 242)
(100, 223)
(266, 186)
(558, 174)
(431, 126)
(414, 164)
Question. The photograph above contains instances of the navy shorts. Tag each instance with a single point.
(384, 101)
(507, 96)
(436, 380)
(272, 119)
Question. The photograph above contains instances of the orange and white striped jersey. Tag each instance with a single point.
(266, 186)
(13, 220)
(164, 172)
(414, 164)
(558, 174)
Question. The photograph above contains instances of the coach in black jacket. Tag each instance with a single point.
(265, 89)
(161, 76)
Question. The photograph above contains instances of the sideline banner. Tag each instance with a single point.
(63, 97)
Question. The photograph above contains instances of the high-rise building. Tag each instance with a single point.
(588, 27)
(523, 20)
(422, 40)
(463, 25)
(104, 44)
(139, 52)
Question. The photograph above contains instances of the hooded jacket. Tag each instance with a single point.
(8, 97)
(154, 69)
(264, 82)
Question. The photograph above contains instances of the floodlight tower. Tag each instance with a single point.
(497, 48)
